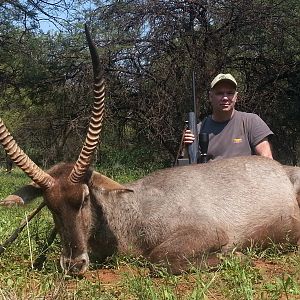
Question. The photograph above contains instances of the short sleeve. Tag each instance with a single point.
(258, 129)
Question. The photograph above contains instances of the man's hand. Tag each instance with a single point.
(188, 137)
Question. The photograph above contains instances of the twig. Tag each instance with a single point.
(29, 241)
(23, 224)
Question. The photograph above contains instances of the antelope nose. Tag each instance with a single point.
(78, 267)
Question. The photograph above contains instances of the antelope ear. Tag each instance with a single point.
(11, 200)
(23, 195)
(100, 181)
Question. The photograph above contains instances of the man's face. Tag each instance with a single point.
(223, 96)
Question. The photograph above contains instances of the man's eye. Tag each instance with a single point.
(230, 94)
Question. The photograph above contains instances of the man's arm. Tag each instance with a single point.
(263, 148)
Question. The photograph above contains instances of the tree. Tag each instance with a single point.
(44, 89)
(154, 46)
(149, 49)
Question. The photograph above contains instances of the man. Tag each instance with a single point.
(231, 132)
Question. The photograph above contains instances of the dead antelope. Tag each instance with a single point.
(174, 217)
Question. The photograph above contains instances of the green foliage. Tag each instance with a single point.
(284, 285)
(128, 164)
(255, 40)
(240, 277)
(149, 50)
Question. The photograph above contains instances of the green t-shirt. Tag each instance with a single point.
(236, 137)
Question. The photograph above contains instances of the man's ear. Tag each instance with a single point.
(209, 95)
(236, 97)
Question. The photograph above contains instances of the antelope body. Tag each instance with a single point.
(174, 217)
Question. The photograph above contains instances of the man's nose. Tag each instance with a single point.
(228, 94)
(225, 96)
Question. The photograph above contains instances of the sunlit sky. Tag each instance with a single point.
(64, 14)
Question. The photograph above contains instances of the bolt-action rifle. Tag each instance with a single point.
(197, 151)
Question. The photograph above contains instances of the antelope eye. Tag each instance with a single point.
(85, 201)
(85, 196)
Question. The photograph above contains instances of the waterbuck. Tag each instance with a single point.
(174, 217)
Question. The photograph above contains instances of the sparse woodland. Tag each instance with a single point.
(149, 49)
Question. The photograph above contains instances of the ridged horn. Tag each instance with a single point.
(17, 155)
(95, 126)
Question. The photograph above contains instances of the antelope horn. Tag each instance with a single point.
(92, 138)
(16, 154)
